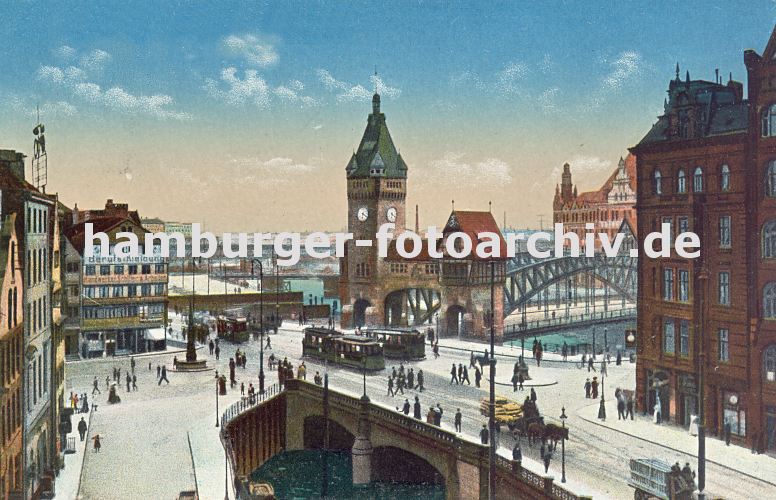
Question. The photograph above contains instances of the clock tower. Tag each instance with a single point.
(377, 187)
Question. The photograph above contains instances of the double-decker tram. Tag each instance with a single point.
(232, 328)
(348, 350)
(400, 343)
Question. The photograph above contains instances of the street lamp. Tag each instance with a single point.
(277, 292)
(216, 401)
(261, 322)
(492, 406)
(593, 342)
(563, 418)
(601, 407)
(606, 342)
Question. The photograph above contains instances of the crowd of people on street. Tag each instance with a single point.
(400, 380)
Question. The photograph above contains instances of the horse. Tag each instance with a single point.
(535, 431)
(554, 433)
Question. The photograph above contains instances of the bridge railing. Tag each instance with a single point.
(246, 403)
(560, 320)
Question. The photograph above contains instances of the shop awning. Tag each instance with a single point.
(154, 334)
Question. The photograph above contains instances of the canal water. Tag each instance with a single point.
(299, 475)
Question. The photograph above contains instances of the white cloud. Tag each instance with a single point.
(593, 166)
(271, 173)
(508, 80)
(25, 106)
(624, 68)
(254, 49)
(65, 52)
(485, 172)
(95, 60)
(75, 79)
(252, 88)
(347, 92)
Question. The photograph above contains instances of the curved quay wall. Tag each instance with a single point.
(254, 431)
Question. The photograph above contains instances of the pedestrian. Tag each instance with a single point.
(420, 380)
(218, 352)
(211, 346)
(539, 352)
(416, 408)
(533, 395)
(727, 428)
(465, 376)
(438, 411)
(317, 379)
(472, 360)
(514, 382)
(484, 434)
(431, 416)
(129, 382)
(134, 382)
(132, 363)
(629, 407)
(621, 407)
(460, 373)
(301, 372)
(520, 381)
(547, 458)
(163, 376)
(542, 449)
(118, 375)
(158, 371)
(565, 351)
(107, 382)
(269, 343)
(594, 388)
(175, 362)
(619, 358)
(435, 350)
(85, 407)
(406, 408)
(242, 388)
(658, 416)
(95, 387)
(590, 364)
(588, 385)
(149, 366)
(390, 387)
(603, 367)
(517, 453)
(411, 379)
(458, 418)
(477, 376)
(82, 428)
(454, 375)
(97, 443)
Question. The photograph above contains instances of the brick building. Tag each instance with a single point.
(708, 165)
(607, 208)
(452, 294)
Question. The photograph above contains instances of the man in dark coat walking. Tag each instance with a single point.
(420, 380)
(406, 408)
(416, 408)
(82, 428)
(477, 376)
(457, 421)
(454, 375)
(129, 382)
(587, 388)
(164, 376)
(484, 434)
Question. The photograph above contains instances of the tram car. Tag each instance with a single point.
(233, 329)
(347, 350)
(400, 343)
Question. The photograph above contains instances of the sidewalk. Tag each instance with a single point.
(677, 439)
(69, 479)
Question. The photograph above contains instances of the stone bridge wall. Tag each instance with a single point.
(278, 424)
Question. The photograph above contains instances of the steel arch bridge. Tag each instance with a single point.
(527, 276)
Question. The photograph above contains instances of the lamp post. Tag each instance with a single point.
(563, 418)
(277, 292)
(492, 406)
(602, 407)
(606, 342)
(260, 286)
(216, 401)
(593, 342)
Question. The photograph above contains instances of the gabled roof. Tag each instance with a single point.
(473, 223)
(376, 150)
(76, 234)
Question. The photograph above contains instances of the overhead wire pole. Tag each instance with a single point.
(492, 406)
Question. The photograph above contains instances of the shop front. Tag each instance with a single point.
(688, 399)
(734, 413)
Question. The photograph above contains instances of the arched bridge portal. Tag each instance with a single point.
(411, 306)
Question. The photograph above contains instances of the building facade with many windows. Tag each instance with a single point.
(709, 166)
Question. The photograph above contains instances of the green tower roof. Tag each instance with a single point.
(376, 155)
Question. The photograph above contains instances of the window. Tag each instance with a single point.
(770, 179)
(681, 182)
(668, 284)
(104, 291)
(159, 268)
(724, 288)
(769, 239)
(684, 285)
(684, 337)
(669, 336)
(132, 291)
(132, 269)
(683, 224)
(104, 270)
(145, 290)
(89, 270)
(769, 363)
(769, 300)
(118, 290)
(146, 269)
(658, 182)
(159, 289)
(724, 178)
(769, 121)
(724, 344)
(697, 180)
(118, 270)
(724, 231)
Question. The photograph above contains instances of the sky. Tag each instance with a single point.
(243, 115)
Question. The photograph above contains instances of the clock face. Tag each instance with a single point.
(363, 214)
(391, 214)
